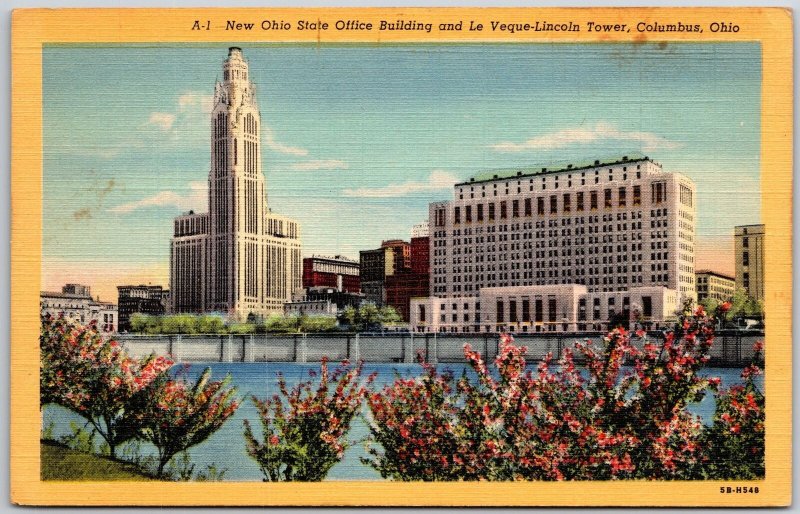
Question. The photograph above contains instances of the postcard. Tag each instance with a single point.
(401, 257)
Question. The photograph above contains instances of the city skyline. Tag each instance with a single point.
(355, 136)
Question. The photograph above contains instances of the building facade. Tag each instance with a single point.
(336, 272)
(376, 265)
(711, 284)
(748, 241)
(613, 226)
(550, 308)
(144, 299)
(240, 257)
(75, 302)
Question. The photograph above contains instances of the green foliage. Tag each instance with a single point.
(369, 317)
(215, 324)
(304, 430)
(179, 415)
(318, 324)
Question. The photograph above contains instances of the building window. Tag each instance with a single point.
(579, 200)
(746, 280)
(515, 208)
(468, 213)
(440, 218)
(553, 204)
(526, 310)
(607, 199)
(512, 311)
(500, 317)
(503, 212)
(637, 195)
(480, 212)
(582, 309)
(540, 206)
(539, 310)
(659, 192)
(745, 242)
(528, 208)
(745, 258)
(457, 215)
(622, 196)
(422, 313)
(567, 203)
(647, 307)
(593, 200)
(491, 212)
(551, 309)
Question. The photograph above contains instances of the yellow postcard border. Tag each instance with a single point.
(32, 28)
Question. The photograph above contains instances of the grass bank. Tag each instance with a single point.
(62, 463)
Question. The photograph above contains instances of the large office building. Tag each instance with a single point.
(749, 252)
(240, 257)
(588, 241)
(711, 284)
(75, 303)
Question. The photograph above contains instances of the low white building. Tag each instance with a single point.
(76, 304)
(551, 308)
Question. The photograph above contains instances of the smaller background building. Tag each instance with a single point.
(715, 285)
(332, 272)
(142, 299)
(749, 252)
(376, 265)
(75, 303)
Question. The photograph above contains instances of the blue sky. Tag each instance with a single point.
(359, 139)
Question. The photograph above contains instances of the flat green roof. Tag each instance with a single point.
(551, 168)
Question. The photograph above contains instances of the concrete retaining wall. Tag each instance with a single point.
(730, 348)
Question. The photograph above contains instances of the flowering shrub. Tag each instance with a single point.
(735, 441)
(304, 429)
(179, 415)
(93, 376)
(608, 422)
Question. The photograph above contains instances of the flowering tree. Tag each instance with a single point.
(179, 415)
(304, 429)
(735, 441)
(94, 377)
(607, 422)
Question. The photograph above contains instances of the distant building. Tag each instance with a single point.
(322, 301)
(152, 300)
(391, 258)
(749, 252)
(410, 282)
(420, 230)
(75, 303)
(337, 272)
(714, 285)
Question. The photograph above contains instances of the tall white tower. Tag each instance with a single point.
(239, 258)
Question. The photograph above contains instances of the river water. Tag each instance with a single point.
(226, 448)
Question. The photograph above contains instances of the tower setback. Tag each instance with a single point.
(239, 258)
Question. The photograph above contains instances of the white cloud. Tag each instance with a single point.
(193, 99)
(269, 140)
(197, 199)
(581, 135)
(438, 180)
(162, 120)
(319, 164)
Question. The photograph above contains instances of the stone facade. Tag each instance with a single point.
(240, 257)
